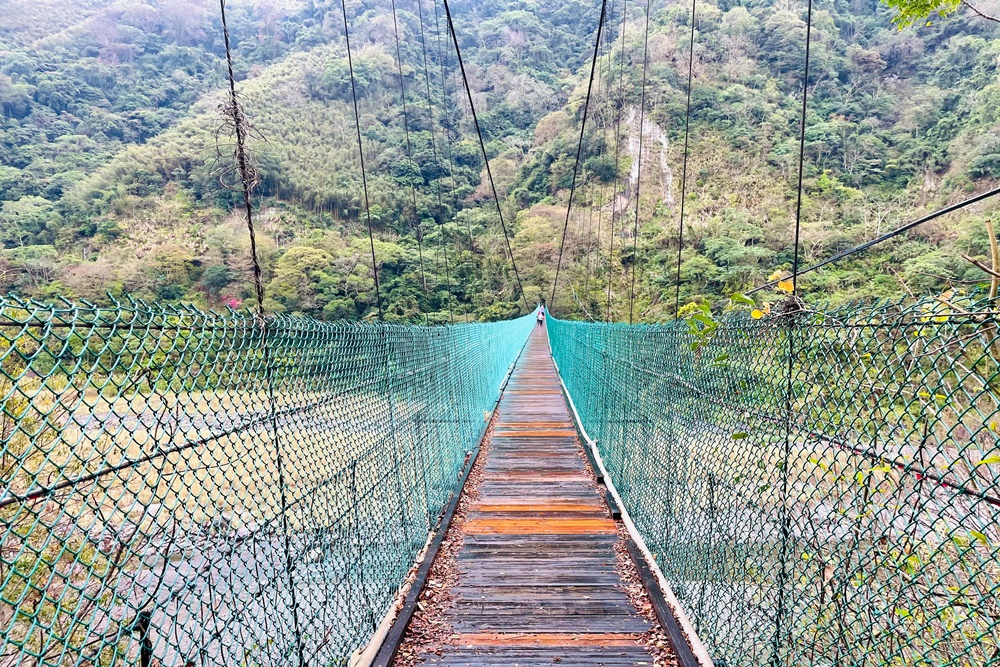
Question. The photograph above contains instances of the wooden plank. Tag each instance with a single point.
(616, 656)
(548, 526)
(537, 575)
(549, 433)
(525, 640)
(530, 505)
(531, 622)
(534, 425)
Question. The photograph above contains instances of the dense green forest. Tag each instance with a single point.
(115, 162)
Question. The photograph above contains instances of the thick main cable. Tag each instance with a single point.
(638, 178)
(684, 172)
(248, 181)
(579, 148)
(482, 146)
(361, 153)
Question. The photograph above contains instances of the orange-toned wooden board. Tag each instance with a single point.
(538, 507)
(506, 426)
(548, 526)
(471, 639)
(539, 433)
(537, 578)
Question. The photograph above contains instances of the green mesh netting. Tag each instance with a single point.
(845, 517)
(177, 493)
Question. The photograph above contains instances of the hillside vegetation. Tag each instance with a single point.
(115, 164)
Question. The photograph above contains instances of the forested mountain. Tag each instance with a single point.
(115, 162)
(899, 123)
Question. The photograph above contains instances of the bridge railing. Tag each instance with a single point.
(820, 487)
(187, 488)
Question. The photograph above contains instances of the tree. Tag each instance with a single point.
(15, 98)
(911, 11)
(300, 278)
(27, 221)
(171, 269)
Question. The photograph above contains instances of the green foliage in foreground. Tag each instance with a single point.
(912, 11)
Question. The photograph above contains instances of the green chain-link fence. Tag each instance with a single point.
(185, 488)
(819, 488)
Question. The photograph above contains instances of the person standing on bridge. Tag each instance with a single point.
(540, 317)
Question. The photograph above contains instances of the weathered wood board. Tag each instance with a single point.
(538, 582)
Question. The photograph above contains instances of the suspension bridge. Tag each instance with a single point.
(174, 495)
(808, 486)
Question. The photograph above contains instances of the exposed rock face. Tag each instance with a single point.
(657, 173)
(656, 147)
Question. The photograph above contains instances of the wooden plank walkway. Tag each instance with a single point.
(537, 579)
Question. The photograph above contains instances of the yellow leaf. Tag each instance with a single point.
(786, 286)
(776, 275)
(756, 314)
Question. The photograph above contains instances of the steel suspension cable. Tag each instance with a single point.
(618, 136)
(590, 220)
(638, 179)
(591, 188)
(427, 86)
(887, 236)
(784, 518)
(248, 181)
(430, 99)
(449, 155)
(684, 171)
(368, 212)
(409, 150)
(579, 148)
(245, 170)
(482, 146)
(604, 157)
(802, 153)
(590, 238)
(361, 154)
(447, 272)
